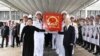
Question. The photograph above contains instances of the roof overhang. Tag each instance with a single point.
(31, 6)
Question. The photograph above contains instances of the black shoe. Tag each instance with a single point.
(1, 47)
(79, 44)
(6, 45)
(12, 46)
(86, 48)
(95, 53)
(91, 51)
(83, 46)
(17, 45)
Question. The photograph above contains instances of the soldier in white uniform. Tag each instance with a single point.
(38, 36)
(91, 36)
(88, 33)
(60, 37)
(54, 40)
(80, 28)
(96, 42)
(23, 23)
(84, 33)
(79, 40)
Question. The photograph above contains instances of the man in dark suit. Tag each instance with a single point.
(5, 34)
(15, 33)
(69, 37)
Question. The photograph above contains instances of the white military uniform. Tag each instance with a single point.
(93, 34)
(54, 36)
(90, 33)
(86, 33)
(38, 39)
(22, 25)
(97, 35)
(57, 43)
(60, 46)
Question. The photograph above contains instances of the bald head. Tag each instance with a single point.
(67, 20)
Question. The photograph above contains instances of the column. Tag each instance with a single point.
(10, 18)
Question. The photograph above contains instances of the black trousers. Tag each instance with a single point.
(7, 40)
(92, 47)
(17, 41)
(84, 43)
(80, 41)
(48, 40)
(97, 49)
(88, 45)
(68, 50)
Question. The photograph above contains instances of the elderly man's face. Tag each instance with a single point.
(67, 21)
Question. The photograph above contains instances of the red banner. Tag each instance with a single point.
(52, 21)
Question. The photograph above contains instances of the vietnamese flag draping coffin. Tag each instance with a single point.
(52, 21)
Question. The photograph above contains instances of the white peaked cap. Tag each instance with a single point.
(25, 15)
(72, 16)
(38, 12)
(30, 16)
(64, 12)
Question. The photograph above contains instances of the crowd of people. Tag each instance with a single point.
(89, 34)
(9, 32)
(84, 32)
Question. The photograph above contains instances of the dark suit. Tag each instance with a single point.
(15, 34)
(69, 38)
(5, 34)
(18, 28)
